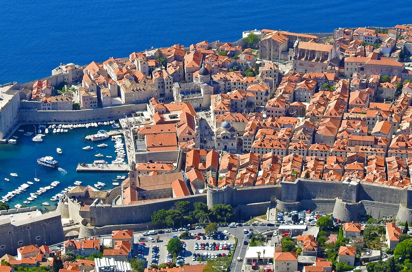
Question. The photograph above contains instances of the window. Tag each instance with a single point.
(20, 242)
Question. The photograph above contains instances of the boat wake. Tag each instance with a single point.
(62, 171)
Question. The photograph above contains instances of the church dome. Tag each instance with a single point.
(203, 71)
(225, 125)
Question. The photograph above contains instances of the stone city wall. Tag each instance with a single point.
(21, 210)
(101, 215)
(45, 229)
(95, 231)
(78, 116)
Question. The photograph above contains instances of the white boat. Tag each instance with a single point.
(46, 130)
(6, 179)
(87, 148)
(97, 137)
(45, 204)
(59, 150)
(99, 155)
(102, 145)
(77, 183)
(116, 183)
(54, 130)
(29, 182)
(17, 206)
(37, 138)
(14, 175)
(109, 157)
(39, 131)
(36, 179)
(26, 202)
(12, 141)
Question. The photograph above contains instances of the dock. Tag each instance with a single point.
(108, 133)
(90, 167)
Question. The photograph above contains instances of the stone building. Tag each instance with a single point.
(311, 57)
(275, 45)
(226, 138)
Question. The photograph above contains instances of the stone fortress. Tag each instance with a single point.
(348, 201)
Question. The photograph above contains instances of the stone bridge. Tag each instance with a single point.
(71, 230)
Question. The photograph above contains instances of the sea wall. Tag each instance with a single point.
(77, 116)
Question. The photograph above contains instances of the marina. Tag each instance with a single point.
(36, 184)
(95, 167)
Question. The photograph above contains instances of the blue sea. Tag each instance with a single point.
(22, 159)
(36, 36)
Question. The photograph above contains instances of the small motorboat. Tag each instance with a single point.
(6, 179)
(116, 183)
(46, 204)
(59, 150)
(102, 145)
(36, 179)
(87, 148)
(46, 130)
(109, 157)
(12, 141)
(29, 182)
(99, 155)
(77, 182)
(14, 175)
(37, 139)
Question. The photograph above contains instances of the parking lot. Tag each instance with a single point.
(197, 248)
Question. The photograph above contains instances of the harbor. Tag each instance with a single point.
(26, 180)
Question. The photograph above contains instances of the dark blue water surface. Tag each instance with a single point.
(22, 159)
(36, 36)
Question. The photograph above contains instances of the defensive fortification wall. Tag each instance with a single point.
(101, 215)
(95, 231)
(78, 116)
(45, 229)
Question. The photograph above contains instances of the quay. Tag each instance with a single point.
(85, 167)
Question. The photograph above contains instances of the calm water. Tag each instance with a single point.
(21, 159)
(36, 36)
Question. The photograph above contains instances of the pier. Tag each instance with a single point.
(86, 167)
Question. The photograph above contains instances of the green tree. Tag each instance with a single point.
(217, 265)
(174, 245)
(403, 250)
(162, 266)
(76, 106)
(4, 206)
(406, 228)
(251, 40)
(222, 213)
(57, 264)
(159, 217)
(385, 79)
(404, 237)
(70, 256)
(343, 267)
(137, 264)
(173, 218)
(211, 228)
(324, 222)
(222, 53)
(288, 245)
(183, 206)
